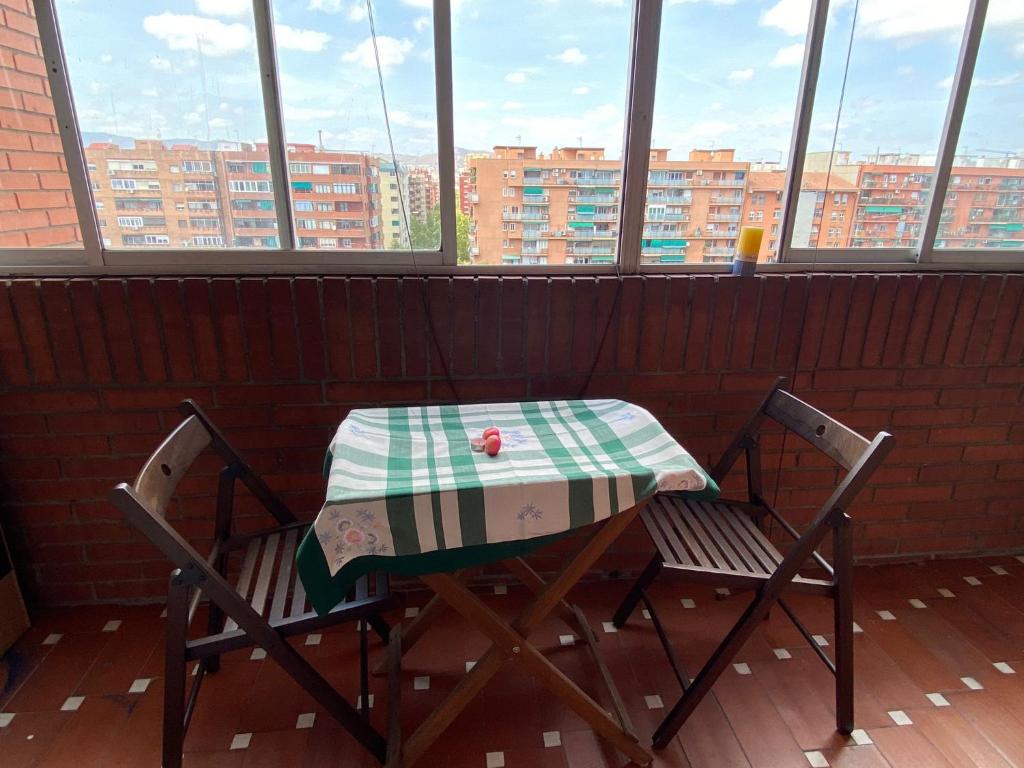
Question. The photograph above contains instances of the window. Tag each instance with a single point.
(321, 170)
(208, 241)
(996, 217)
(885, 154)
(129, 221)
(137, 240)
(344, 189)
(322, 189)
(202, 205)
(303, 205)
(204, 223)
(327, 242)
(167, 91)
(300, 167)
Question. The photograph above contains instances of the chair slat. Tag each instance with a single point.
(650, 519)
(683, 532)
(836, 440)
(740, 522)
(714, 518)
(720, 538)
(298, 599)
(687, 518)
(758, 538)
(248, 566)
(284, 576)
(259, 594)
(674, 548)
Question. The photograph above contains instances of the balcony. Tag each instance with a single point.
(585, 217)
(525, 216)
(717, 199)
(724, 217)
(667, 216)
(719, 252)
(663, 182)
(536, 199)
(594, 199)
(474, 197)
(534, 251)
(663, 251)
(705, 182)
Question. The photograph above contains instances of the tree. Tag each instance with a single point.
(462, 236)
(426, 235)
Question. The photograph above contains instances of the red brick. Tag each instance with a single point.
(38, 103)
(835, 320)
(256, 327)
(978, 434)
(977, 396)
(227, 318)
(894, 397)
(175, 328)
(931, 416)
(12, 139)
(200, 319)
(376, 392)
(607, 310)
(35, 161)
(1008, 375)
(22, 22)
(309, 327)
(112, 308)
(1007, 312)
(145, 323)
(914, 492)
(985, 318)
(389, 326)
(53, 236)
(942, 377)
(13, 362)
(465, 327)
(63, 326)
(10, 38)
(56, 446)
(940, 327)
(268, 394)
(989, 490)
(149, 398)
(652, 322)
(921, 318)
(1012, 452)
(899, 322)
(676, 320)
(23, 121)
(103, 422)
(283, 335)
(938, 473)
(701, 308)
(536, 330)
(33, 65)
(47, 142)
(769, 321)
(963, 319)
(855, 379)
(722, 320)
(361, 317)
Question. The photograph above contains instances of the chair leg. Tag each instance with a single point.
(636, 592)
(380, 626)
(843, 598)
(364, 671)
(174, 672)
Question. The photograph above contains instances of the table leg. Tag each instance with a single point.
(529, 577)
(510, 642)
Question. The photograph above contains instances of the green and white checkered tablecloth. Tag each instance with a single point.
(404, 484)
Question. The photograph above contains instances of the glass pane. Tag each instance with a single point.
(169, 103)
(723, 118)
(346, 189)
(539, 108)
(36, 208)
(872, 190)
(984, 206)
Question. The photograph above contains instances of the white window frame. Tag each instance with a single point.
(95, 255)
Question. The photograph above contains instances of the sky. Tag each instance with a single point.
(544, 72)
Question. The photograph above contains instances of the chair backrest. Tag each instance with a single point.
(155, 484)
(836, 440)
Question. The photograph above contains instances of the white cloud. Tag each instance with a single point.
(475, 106)
(512, 106)
(292, 112)
(191, 118)
(293, 39)
(151, 93)
(159, 64)
(998, 82)
(219, 123)
(1018, 49)
(791, 16)
(398, 117)
(392, 53)
(425, 4)
(789, 56)
(945, 83)
(741, 75)
(713, 2)
(616, 3)
(515, 77)
(905, 71)
(183, 32)
(570, 56)
(581, 90)
(224, 106)
(422, 23)
(106, 58)
(224, 7)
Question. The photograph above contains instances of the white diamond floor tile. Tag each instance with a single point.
(860, 737)
(359, 701)
(1005, 668)
(900, 717)
(241, 741)
(72, 703)
(816, 759)
(608, 627)
(654, 702)
(552, 739)
(112, 626)
(52, 639)
(688, 602)
(412, 612)
(470, 665)
(946, 592)
(857, 628)
(566, 639)
(886, 615)
(305, 720)
(257, 654)
(917, 603)
(646, 614)
(500, 589)
(820, 640)
(723, 591)
(140, 685)
(782, 653)
(314, 638)
(974, 581)
(495, 760)
(5, 718)
(421, 683)
(971, 683)
(938, 699)
(999, 570)
(742, 668)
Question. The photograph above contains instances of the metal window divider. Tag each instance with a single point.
(445, 131)
(816, 24)
(962, 79)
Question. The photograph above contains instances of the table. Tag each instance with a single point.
(407, 494)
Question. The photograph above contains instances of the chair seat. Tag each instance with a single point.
(270, 582)
(709, 536)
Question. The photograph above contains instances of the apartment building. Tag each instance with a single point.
(984, 208)
(423, 195)
(465, 191)
(180, 196)
(393, 186)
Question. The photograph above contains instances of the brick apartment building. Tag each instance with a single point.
(152, 195)
(423, 193)
(563, 208)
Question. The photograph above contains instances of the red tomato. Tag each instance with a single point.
(491, 431)
(492, 445)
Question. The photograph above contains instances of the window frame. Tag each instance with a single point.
(93, 257)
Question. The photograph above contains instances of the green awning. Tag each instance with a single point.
(664, 243)
(302, 186)
(604, 191)
(602, 259)
(672, 259)
(884, 209)
(581, 224)
(585, 209)
(1006, 227)
(261, 167)
(1011, 243)
(533, 190)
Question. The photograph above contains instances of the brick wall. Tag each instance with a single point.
(36, 208)
(91, 370)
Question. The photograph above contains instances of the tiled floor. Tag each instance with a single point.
(940, 682)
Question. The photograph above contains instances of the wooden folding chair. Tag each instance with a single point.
(267, 603)
(723, 543)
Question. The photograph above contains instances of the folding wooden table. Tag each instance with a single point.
(407, 494)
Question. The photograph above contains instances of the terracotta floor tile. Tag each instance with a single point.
(858, 757)
(85, 741)
(708, 740)
(985, 713)
(60, 672)
(276, 749)
(28, 737)
(908, 745)
(958, 741)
